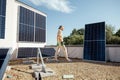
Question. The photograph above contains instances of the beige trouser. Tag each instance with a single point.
(58, 51)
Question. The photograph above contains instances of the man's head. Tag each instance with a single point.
(61, 27)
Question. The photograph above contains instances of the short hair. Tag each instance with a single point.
(60, 26)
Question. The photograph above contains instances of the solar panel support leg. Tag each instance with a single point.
(41, 69)
(43, 65)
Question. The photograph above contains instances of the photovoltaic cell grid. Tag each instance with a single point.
(94, 42)
(32, 26)
(2, 18)
(40, 21)
(3, 53)
(40, 29)
(40, 35)
(32, 52)
(27, 52)
(47, 52)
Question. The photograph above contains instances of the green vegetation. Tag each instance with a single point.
(77, 36)
(118, 33)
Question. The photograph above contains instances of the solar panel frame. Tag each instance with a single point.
(95, 42)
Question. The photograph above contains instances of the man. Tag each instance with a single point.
(60, 44)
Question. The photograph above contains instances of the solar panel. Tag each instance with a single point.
(94, 42)
(47, 52)
(1, 62)
(27, 52)
(32, 26)
(26, 25)
(40, 35)
(40, 28)
(3, 53)
(32, 52)
(40, 21)
(2, 18)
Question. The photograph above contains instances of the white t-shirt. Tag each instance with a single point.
(59, 35)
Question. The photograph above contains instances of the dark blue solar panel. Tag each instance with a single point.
(47, 52)
(94, 43)
(32, 52)
(40, 21)
(28, 30)
(26, 33)
(26, 25)
(2, 7)
(27, 52)
(95, 31)
(3, 53)
(94, 50)
(2, 18)
(40, 27)
(26, 16)
(40, 35)
(1, 62)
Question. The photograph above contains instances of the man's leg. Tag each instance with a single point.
(65, 52)
(57, 52)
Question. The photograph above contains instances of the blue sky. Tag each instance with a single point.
(75, 14)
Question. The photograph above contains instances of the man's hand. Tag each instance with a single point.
(61, 39)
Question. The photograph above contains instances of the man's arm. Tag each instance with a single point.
(59, 36)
